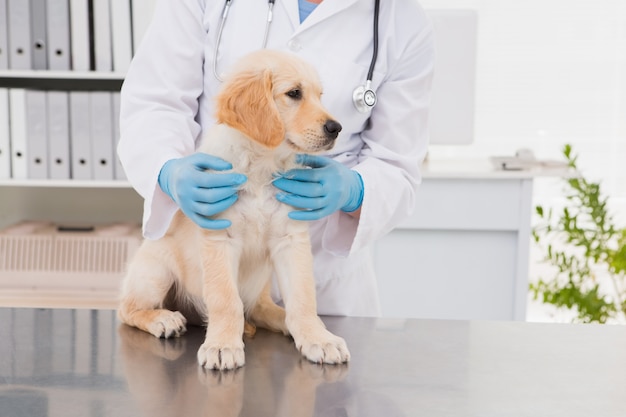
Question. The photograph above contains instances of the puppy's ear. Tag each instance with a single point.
(246, 103)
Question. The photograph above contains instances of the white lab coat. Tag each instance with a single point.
(167, 104)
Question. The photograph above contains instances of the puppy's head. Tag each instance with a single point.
(274, 97)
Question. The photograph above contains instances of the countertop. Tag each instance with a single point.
(84, 363)
(484, 169)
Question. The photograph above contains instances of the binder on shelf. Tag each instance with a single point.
(5, 135)
(20, 54)
(80, 135)
(39, 37)
(17, 116)
(4, 35)
(58, 26)
(58, 135)
(120, 174)
(36, 134)
(79, 35)
(102, 135)
(122, 35)
(102, 35)
(142, 12)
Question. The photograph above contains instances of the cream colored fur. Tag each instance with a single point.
(222, 277)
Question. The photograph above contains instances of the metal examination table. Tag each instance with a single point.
(66, 363)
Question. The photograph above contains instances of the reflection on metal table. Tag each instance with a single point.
(84, 363)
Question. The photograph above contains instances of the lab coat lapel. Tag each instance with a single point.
(291, 8)
(323, 11)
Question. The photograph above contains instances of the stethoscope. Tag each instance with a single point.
(363, 97)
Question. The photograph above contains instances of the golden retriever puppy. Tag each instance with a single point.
(268, 110)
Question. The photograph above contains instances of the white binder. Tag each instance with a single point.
(79, 34)
(4, 35)
(102, 35)
(5, 135)
(102, 135)
(142, 12)
(121, 35)
(17, 114)
(120, 174)
(36, 134)
(39, 37)
(58, 135)
(20, 54)
(58, 25)
(80, 135)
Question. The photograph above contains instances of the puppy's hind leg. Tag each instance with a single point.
(267, 314)
(144, 291)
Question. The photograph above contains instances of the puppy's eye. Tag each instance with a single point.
(295, 94)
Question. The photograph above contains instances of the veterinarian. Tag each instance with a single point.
(354, 195)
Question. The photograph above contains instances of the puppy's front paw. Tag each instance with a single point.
(221, 356)
(323, 347)
(167, 324)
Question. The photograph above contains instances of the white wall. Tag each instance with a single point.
(551, 72)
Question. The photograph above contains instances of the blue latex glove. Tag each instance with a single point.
(322, 189)
(200, 193)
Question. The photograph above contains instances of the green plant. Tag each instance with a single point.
(587, 251)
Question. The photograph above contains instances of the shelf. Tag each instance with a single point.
(62, 80)
(65, 183)
(46, 74)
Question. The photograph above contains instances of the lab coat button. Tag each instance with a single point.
(294, 45)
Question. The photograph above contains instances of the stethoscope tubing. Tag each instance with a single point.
(227, 3)
(370, 72)
(219, 38)
(270, 17)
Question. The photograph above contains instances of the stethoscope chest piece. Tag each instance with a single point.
(364, 98)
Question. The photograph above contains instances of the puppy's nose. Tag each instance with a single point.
(332, 128)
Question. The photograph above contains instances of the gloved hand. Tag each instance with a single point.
(322, 189)
(200, 193)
